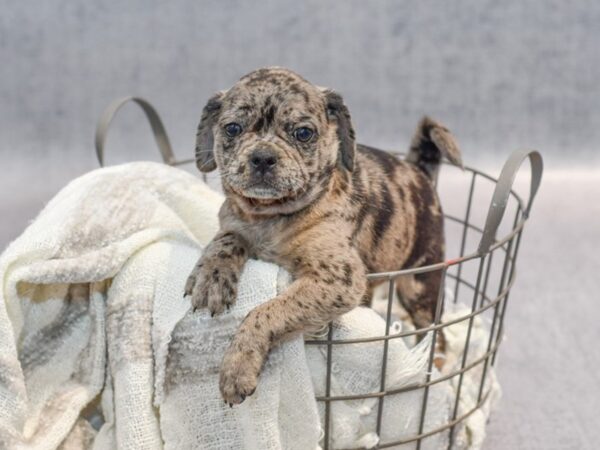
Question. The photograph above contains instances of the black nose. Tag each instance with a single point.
(263, 161)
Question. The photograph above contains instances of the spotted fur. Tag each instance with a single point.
(327, 210)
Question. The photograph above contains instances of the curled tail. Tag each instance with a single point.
(431, 142)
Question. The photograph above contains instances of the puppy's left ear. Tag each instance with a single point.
(338, 112)
(205, 140)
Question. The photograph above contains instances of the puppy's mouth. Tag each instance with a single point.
(267, 196)
(263, 197)
(258, 202)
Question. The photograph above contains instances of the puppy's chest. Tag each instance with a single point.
(266, 240)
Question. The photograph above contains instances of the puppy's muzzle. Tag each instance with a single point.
(262, 161)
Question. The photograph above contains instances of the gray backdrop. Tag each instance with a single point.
(501, 75)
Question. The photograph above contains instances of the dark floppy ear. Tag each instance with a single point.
(338, 112)
(205, 141)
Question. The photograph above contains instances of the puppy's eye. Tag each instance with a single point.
(303, 134)
(233, 129)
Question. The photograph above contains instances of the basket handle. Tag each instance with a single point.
(502, 192)
(158, 129)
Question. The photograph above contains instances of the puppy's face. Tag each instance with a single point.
(276, 140)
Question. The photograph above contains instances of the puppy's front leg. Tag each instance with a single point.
(213, 281)
(315, 298)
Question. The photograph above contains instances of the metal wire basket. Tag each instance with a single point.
(482, 278)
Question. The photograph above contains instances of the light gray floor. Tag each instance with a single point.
(549, 364)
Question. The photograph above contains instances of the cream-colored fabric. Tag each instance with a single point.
(129, 359)
(129, 367)
(356, 370)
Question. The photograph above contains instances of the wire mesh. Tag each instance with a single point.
(481, 279)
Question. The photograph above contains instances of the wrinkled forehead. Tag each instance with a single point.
(274, 93)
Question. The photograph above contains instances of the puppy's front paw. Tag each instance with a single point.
(212, 284)
(239, 375)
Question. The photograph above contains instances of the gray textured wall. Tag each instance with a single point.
(501, 74)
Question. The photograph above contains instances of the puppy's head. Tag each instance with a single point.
(276, 140)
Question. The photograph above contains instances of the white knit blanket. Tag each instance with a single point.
(128, 366)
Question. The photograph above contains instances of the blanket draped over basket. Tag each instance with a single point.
(129, 366)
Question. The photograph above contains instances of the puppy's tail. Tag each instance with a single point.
(431, 142)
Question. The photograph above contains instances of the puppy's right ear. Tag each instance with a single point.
(205, 140)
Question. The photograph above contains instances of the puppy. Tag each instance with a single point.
(302, 194)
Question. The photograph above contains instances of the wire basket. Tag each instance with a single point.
(482, 279)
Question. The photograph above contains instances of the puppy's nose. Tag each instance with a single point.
(263, 161)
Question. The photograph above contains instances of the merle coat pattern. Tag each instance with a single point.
(316, 203)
